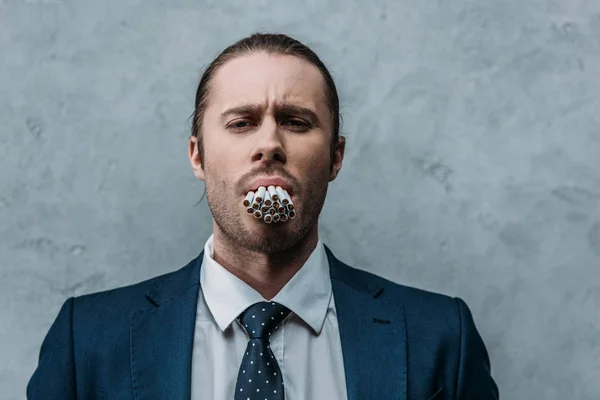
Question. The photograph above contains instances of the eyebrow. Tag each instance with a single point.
(283, 108)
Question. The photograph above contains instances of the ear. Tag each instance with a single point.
(194, 156)
(338, 157)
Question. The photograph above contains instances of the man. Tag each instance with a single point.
(266, 311)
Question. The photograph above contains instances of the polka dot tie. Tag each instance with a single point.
(259, 377)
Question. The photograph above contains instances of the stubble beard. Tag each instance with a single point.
(231, 217)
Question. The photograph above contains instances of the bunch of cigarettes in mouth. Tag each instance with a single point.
(271, 204)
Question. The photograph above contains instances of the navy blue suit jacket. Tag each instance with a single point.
(135, 342)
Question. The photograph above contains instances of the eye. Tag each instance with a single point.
(239, 124)
(297, 124)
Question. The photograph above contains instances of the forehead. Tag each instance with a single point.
(267, 79)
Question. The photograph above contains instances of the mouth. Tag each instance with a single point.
(269, 181)
(269, 200)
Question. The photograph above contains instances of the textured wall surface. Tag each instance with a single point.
(477, 120)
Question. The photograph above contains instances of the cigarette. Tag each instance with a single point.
(273, 193)
(267, 201)
(287, 195)
(282, 196)
(260, 194)
(272, 204)
(255, 201)
(248, 199)
(289, 205)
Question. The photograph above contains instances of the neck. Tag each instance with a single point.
(265, 273)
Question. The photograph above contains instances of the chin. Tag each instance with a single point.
(271, 230)
(270, 238)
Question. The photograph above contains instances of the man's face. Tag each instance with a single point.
(265, 138)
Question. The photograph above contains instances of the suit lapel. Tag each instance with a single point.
(162, 337)
(373, 336)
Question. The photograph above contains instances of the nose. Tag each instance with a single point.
(269, 146)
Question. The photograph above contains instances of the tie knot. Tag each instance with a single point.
(262, 318)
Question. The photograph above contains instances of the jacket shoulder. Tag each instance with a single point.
(133, 297)
(433, 320)
(393, 291)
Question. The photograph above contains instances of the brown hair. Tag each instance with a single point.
(272, 44)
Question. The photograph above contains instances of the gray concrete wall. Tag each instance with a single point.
(479, 120)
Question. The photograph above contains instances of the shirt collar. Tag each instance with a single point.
(307, 293)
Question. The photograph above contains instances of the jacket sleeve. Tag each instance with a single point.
(474, 380)
(54, 377)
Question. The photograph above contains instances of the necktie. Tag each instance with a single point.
(259, 376)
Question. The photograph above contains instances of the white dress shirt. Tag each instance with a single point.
(307, 344)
